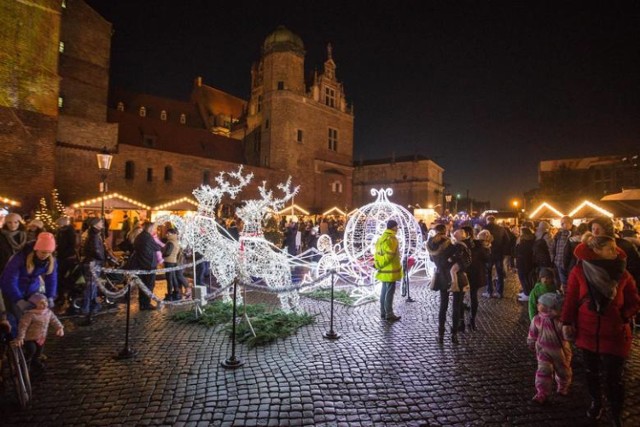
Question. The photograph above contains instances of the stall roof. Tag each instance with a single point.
(9, 201)
(545, 210)
(589, 209)
(182, 204)
(334, 210)
(293, 210)
(111, 201)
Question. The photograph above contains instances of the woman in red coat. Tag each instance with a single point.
(601, 299)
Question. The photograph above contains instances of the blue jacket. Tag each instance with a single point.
(16, 283)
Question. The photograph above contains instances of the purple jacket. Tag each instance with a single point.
(16, 283)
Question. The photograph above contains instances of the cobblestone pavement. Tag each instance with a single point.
(376, 374)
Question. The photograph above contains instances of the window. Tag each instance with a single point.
(149, 174)
(149, 141)
(143, 112)
(280, 85)
(61, 47)
(336, 187)
(299, 135)
(60, 102)
(257, 142)
(259, 103)
(183, 119)
(168, 173)
(129, 169)
(333, 139)
(329, 97)
(163, 115)
(266, 124)
(120, 106)
(206, 178)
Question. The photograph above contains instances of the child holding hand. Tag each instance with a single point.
(552, 351)
(33, 327)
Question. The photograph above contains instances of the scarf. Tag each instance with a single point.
(602, 281)
(16, 239)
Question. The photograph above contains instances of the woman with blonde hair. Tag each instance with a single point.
(21, 276)
(600, 301)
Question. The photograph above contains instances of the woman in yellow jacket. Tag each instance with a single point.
(389, 269)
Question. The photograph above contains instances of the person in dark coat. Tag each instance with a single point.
(145, 257)
(477, 272)
(66, 254)
(94, 255)
(441, 249)
(13, 237)
(524, 261)
(542, 247)
(499, 248)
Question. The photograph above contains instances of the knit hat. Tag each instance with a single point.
(485, 235)
(551, 300)
(45, 242)
(36, 298)
(391, 224)
(12, 217)
(603, 222)
(546, 272)
(36, 223)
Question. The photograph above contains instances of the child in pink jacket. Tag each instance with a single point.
(33, 327)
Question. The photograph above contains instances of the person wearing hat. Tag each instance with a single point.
(601, 300)
(94, 255)
(552, 350)
(546, 284)
(388, 268)
(21, 276)
(32, 330)
(524, 262)
(34, 228)
(13, 237)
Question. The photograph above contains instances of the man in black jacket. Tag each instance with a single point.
(93, 255)
(144, 257)
(499, 248)
(66, 255)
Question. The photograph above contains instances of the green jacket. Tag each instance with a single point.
(538, 290)
(387, 258)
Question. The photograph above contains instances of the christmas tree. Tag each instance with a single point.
(47, 215)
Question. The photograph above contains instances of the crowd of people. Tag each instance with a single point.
(580, 284)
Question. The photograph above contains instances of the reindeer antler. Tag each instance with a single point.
(208, 197)
(277, 204)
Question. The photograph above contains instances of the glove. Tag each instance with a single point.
(52, 302)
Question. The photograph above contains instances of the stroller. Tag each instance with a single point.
(77, 281)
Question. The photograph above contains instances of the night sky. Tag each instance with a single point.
(485, 88)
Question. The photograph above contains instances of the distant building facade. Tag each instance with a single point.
(567, 181)
(416, 181)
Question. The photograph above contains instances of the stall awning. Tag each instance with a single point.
(589, 209)
(182, 204)
(545, 210)
(7, 201)
(624, 204)
(111, 201)
(293, 210)
(334, 211)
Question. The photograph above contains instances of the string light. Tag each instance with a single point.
(592, 206)
(542, 206)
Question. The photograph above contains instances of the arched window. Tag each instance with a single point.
(163, 115)
(183, 119)
(129, 169)
(206, 178)
(149, 174)
(336, 187)
(168, 173)
(120, 106)
(143, 112)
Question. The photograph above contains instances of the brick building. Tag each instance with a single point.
(57, 113)
(416, 180)
(566, 182)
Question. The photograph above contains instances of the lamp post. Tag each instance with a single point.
(447, 199)
(515, 204)
(104, 164)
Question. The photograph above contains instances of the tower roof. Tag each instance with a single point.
(281, 39)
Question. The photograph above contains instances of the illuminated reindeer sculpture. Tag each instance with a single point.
(207, 237)
(260, 258)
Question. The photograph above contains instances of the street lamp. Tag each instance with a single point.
(447, 199)
(515, 204)
(104, 164)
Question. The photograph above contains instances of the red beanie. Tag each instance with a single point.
(45, 242)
